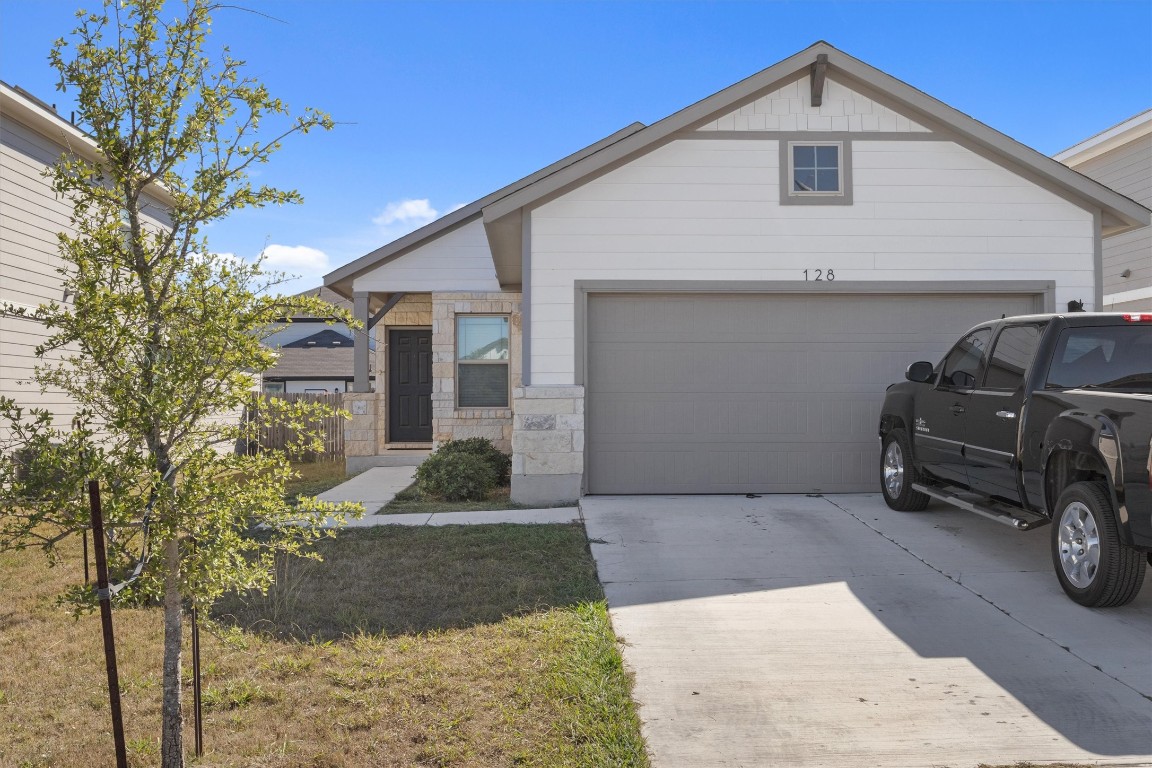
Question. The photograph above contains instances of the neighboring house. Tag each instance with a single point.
(315, 352)
(716, 302)
(1121, 157)
(32, 138)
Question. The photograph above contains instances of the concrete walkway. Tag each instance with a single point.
(831, 631)
(377, 486)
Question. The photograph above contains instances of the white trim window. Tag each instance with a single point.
(482, 355)
(816, 168)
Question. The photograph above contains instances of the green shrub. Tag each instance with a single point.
(455, 476)
(481, 446)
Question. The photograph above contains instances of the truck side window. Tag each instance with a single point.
(962, 367)
(1015, 348)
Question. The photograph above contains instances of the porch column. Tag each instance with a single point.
(361, 349)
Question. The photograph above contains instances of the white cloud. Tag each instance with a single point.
(413, 213)
(302, 266)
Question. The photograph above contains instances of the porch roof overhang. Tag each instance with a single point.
(506, 261)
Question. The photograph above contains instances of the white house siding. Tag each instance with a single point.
(708, 210)
(458, 260)
(789, 108)
(296, 331)
(1128, 170)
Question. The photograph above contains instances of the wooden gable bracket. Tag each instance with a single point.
(392, 300)
(818, 70)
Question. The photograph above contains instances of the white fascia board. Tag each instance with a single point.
(1105, 141)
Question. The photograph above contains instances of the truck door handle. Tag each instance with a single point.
(1006, 414)
(957, 409)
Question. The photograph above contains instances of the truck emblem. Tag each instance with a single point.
(922, 426)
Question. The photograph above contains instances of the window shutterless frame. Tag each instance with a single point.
(815, 172)
(483, 341)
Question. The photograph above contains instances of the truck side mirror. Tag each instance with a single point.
(919, 372)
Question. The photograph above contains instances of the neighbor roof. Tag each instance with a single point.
(1108, 139)
(502, 211)
(314, 363)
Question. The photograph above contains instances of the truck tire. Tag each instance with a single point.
(897, 473)
(1094, 566)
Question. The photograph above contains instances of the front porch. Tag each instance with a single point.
(417, 402)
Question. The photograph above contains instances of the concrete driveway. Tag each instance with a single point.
(830, 631)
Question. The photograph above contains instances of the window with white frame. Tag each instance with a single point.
(815, 172)
(482, 355)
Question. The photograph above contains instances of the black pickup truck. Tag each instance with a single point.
(1033, 420)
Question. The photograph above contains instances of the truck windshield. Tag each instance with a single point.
(1117, 356)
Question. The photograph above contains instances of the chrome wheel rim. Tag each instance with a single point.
(1079, 545)
(893, 470)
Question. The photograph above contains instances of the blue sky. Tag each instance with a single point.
(440, 103)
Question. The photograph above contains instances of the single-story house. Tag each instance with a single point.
(714, 303)
(315, 352)
(1121, 157)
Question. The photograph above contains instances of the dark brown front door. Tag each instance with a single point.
(410, 386)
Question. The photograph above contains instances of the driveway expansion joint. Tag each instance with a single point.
(962, 585)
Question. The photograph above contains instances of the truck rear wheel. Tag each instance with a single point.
(1094, 566)
(897, 473)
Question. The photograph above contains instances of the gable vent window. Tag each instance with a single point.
(815, 173)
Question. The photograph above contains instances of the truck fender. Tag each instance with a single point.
(896, 413)
(1082, 446)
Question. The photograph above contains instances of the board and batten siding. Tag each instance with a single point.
(709, 210)
(458, 260)
(1128, 170)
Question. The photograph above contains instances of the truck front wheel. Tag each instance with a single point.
(1094, 566)
(897, 473)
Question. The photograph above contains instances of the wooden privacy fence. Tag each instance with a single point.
(278, 436)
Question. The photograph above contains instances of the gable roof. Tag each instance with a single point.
(325, 339)
(340, 280)
(503, 211)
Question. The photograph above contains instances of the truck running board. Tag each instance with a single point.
(1016, 518)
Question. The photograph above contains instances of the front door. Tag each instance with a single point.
(409, 386)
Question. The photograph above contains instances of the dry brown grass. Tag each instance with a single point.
(542, 688)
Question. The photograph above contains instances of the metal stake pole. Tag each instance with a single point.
(105, 596)
(196, 683)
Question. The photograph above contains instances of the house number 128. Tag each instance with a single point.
(820, 275)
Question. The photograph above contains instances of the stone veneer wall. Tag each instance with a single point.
(547, 444)
(448, 421)
(360, 430)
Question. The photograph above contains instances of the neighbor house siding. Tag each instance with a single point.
(31, 217)
(709, 209)
(458, 260)
(1128, 170)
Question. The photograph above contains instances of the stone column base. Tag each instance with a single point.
(546, 490)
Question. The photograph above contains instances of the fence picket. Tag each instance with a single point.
(279, 436)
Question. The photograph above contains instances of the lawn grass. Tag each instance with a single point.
(315, 477)
(411, 501)
(451, 646)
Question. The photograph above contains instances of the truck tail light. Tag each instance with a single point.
(1138, 317)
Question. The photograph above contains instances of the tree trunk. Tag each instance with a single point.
(172, 739)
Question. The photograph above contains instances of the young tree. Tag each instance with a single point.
(163, 337)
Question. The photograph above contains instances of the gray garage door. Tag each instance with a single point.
(739, 393)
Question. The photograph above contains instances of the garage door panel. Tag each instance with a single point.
(738, 393)
(713, 418)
